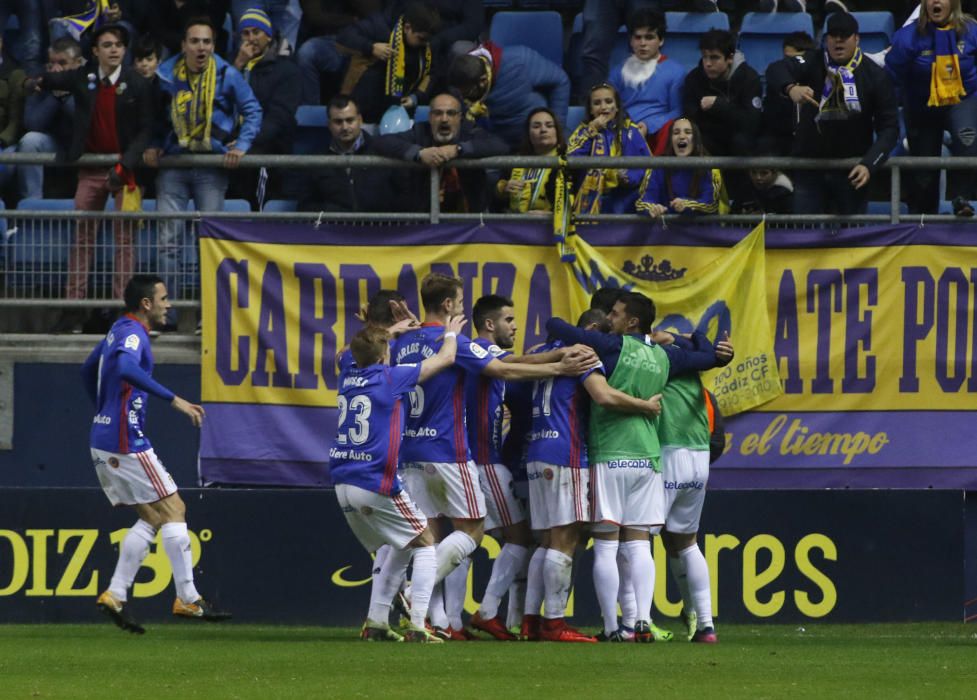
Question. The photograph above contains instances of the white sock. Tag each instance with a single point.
(132, 551)
(534, 582)
(510, 562)
(455, 589)
(517, 599)
(697, 572)
(422, 584)
(606, 581)
(642, 575)
(625, 591)
(682, 581)
(176, 543)
(387, 583)
(452, 550)
(435, 609)
(375, 595)
(557, 577)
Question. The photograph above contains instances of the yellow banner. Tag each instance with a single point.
(724, 291)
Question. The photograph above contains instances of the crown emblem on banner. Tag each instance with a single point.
(652, 272)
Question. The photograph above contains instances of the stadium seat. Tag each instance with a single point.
(38, 251)
(575, 115)
(560, 5)
(281, 205)
(422, 113)
(540, 31)
(312, 134)
(875, 30)
(762, 35)
(886, 208)
(684, 30)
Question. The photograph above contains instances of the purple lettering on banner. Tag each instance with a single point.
(352, 275)
(972, 382)
(951, 371)
(408, 288)
(467, 272)
(225, 270)
(916, 328)
(676, 322)
(724, 321)
(786, 345)
(823, 292)
(311, 276)
(499, 278)
(540, 308)
(858, 328)
(272, 332)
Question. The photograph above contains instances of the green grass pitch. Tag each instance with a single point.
(187, 660)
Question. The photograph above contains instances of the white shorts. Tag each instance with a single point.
(502, 505)
(557, 495)
(685, 474)
(448, 489)
(132, 479)
(626, 493)
(377, 520)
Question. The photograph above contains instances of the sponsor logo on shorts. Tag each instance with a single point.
(548, 474)
(681, 485)
(366, 510)
(532, 476)
(629, 464)
(102, 420)
(114, 462)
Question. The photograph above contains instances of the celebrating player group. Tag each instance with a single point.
(608, 422)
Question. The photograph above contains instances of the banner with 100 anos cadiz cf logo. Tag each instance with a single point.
(871, 335)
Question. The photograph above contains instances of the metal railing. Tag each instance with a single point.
(38, 243)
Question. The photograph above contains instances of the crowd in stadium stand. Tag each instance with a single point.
(435, 80)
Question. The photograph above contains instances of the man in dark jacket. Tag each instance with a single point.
(113, 114)
(722, 95)
(436, 144)
(848, 109)
(276, 84)
(349, 189)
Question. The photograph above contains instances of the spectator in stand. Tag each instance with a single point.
(780, 115)
(393, 62)
(847, 109)
(147, 54)
(462, 22)
(11, 108)
(284, 15)
(435, 144)
(349, 189)
(683, 191)
(532, 190)
(113, 114)
(650, 85)
(30, 18)
(771, 191)
(501, 86)
(275, 81)
(48, 118)
(322, 21)
(722, 96)
(211, 109)
(167, 19)
(934, 62)
(607, 131)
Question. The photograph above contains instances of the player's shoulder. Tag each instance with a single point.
(128, 333)
(491, 349)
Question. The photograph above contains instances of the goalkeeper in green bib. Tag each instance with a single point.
(626, 486)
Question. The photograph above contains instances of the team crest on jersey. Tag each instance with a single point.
(114, 462)
(548, 474)
(132, 342)
(478, 351)
(366, 510)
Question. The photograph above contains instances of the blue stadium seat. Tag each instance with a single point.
(561, 5)
(575, 115)
(540, 31)
(38, 251)
(684, 30)
(422, 113)
(875, 30)
(886, 208)
(312, 135)
(762, 35)
(281, 205)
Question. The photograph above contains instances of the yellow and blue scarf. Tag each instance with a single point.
(397, 64)
(80, 23)
(946, 84)
(192, 106)
(839, 96)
